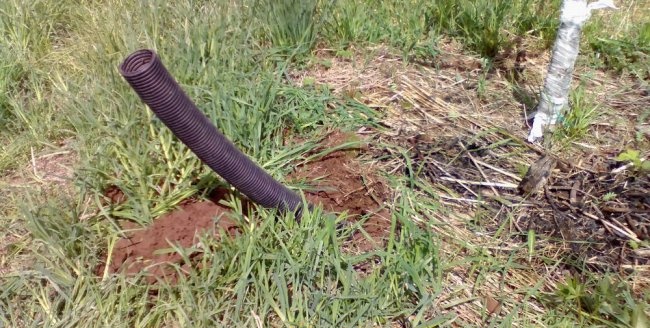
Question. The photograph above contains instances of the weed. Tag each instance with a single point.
(643, 119)
(627, 53)
(480, 88)
(609, 196)
(633, 156)
(482, 25)
(582, 113)
(600, 302)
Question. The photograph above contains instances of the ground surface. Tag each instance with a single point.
(409, 136)
(336, 182)
(472, 150)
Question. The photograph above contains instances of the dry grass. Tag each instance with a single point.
(452, 102)
(49, 174)
(51, 169)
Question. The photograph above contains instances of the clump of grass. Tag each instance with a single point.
(578, 117)
(630, 53)
(291, 24)
(487, 27)
(30, 80)
(620, 40)
(478, 23)
(537, 18)
(603, 301)
(393, 22)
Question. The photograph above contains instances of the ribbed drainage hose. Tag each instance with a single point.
(157, 88)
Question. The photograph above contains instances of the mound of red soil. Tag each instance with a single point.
(337, 181)
(340, 184)
(151, 249)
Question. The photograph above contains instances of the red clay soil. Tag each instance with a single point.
(340, 184)
(151, 250)
(337, 181)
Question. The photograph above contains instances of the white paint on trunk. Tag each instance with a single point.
(555, 95)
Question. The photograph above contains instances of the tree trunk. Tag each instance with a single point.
(554, 96)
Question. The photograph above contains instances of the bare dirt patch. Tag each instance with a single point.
(336, 181)
(51, 169)
(150, 249)
(341, 184)
(466, 128)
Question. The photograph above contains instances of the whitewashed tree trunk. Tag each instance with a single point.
(554, 96)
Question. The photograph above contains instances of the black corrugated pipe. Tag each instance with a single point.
(147, 75)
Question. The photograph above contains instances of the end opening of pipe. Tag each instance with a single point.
(137, 62)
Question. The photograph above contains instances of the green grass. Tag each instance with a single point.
(31, 76)
(576, 121)
(290, 25)
(59, 81)
(488, 27)
(620, 40)
(598, 302)
(279, 270)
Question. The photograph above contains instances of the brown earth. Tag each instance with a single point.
(588, 207)
(151, 249)
(340, 184)
(337, 182)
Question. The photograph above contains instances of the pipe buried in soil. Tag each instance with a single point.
(147, 75)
